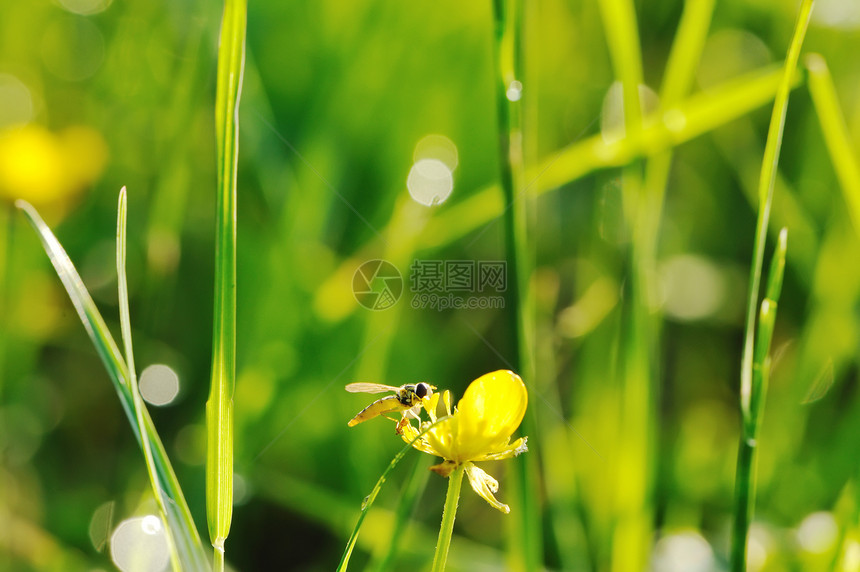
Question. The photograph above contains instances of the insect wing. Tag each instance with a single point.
(370, 388)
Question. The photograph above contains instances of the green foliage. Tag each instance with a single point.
(634, 259)
(219, 407)
(183, 537)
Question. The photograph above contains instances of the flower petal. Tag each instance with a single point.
(430, 404)
(516, 448)
(491, 410)
(485, 486)
(442, 438)
(446, 397)
(409, 433)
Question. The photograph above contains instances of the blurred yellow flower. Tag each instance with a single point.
(478, 429)
(43, 167)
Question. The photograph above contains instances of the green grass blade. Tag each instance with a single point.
(137, 400)
(836, 135)
(622, 36)
(686, 51)
(752, 383)
(219, 407)
(177, 514)
(680, 71)
(766, 184)
(745, 487)
(764, 333)
(631, 512)
(412, 491)
(697, 115)
(693, 117)
(525, 529)
(449, 514)
(369, 499)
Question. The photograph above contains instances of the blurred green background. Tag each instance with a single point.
(96, 94)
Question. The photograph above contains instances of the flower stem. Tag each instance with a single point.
(455, 480)
(218, 563)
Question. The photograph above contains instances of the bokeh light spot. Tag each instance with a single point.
(41, 167)
(151, 524)
(73, 48)
(683, 552)
(675, 120)
(838, 14)
(439, 147)
(241, 490)
(100, 525)
(159, 384)
(612, 126)
(759, 547)
(851, 559)
(430, 182)
(693, 288)
(817, 532)
(16, 103)
(86, 7)
(515, 91)
(138, 545)
(730, 53)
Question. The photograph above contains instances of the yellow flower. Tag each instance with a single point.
(43, 167)
(479, 429)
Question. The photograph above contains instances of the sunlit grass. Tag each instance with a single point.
(634, 404)
(134, 389)
(525, 530)
(754, 366)
(219, 407)
(179, 524)
(368, 501)
(836, 134)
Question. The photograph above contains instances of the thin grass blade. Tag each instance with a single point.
(137, 400)
(686, 51)
(688, 120)
(764, 333)
(219, 407)
(693, 117)
(412, 491)
(745, 486)
(836, 135)
(766, 185)
(631, 512)
(369, 499)
(178, 520)
(754, 360)
(525, 530)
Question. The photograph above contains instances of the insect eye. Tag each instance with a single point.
(421, 390)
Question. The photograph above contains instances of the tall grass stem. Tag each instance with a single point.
(744, 484)
(177, 514)
(369, 499)
(637, 446)
(219, 407)
(7, 237)
(526, 527)
(137, 400)
(449, 513)
(836, 134)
